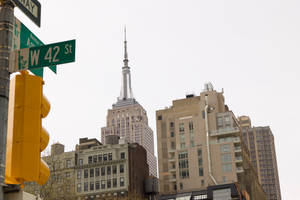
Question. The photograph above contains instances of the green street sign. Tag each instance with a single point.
(37, 57)
(24, 38)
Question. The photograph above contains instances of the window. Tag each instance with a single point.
(80, 162)
(182, 155)
(183, 164)
(103, 184)
(122, 155)
(110, 156)
(114, 182)
(122, 182)
(182, 137)
(226, 157)
(191, 126)
(121, 168)
(200, 171)
(97, 172)
(97, 185)
(79, 174)
(173, 146)
(90, 159)
(86, 186)
(225, 148)
(67, 174)
(100, 158)
(104, 157)
(172, 134)
(182, 145)
(181, 127)
(227, 167)
(86, 173)
(171, 124)
(114, 169)
(159, 117)
(108, 170)
(202, 182)
(68, 163)
(220, 121)
(94, 159)
(227, 120)
(200, 161)
(91, 186)
(102, 171)
(184, 174)
(91, 172)
(181, 186)
(108, 183)
(79, 187)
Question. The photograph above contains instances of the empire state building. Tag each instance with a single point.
(128, 119)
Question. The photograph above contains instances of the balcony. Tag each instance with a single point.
(239, 169)
(238, 159)
(236, 140)
(237, 149)
(225, 131)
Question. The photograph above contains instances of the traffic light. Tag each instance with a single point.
(26, 138)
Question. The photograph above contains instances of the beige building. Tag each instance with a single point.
(110, 171)
(199, 145)
(95, 171)
(61, 183)
(260, 142)
(128, 119)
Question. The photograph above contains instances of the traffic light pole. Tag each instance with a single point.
(6, 33)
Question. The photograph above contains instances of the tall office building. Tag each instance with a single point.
(128, 119)
(199, 145)
(260, 142)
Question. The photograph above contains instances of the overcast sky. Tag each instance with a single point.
(249, 48)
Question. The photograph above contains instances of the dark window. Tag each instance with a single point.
(103, 184)
(97, 185)
(159, 117)
(86, 186)
(201, 171)
(102, 171)
(79, 174)
(79, 187)
(91, 172)
(90, 159)
(108, 183)
(91, 185)
(181, 186)
(121, 168)
(110, 156)
(114, 169)
(191, 126)
(108, 170)
(100, 158)
(172, 134)
(97, 172)
(114, 182)
(171, 124)
(123, 155)
(104, 157)
(184, 174)
(86, 173)
(94, 159)
(122, 182)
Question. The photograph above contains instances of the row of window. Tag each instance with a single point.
(95, 172)
(103, 184)
(101, 158)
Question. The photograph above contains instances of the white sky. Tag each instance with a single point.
(249, 48)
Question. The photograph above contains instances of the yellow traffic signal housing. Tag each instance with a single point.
(26, 138)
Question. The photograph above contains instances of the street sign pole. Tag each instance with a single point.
(6, 31)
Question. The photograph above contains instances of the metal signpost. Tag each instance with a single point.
(32, 8)
(37, 57)
(24, 38)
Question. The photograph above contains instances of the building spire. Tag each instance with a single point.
(126, 92)
(125, 49)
